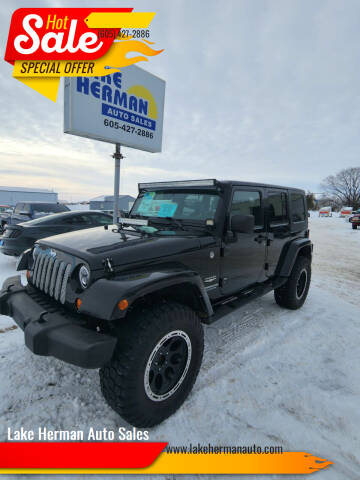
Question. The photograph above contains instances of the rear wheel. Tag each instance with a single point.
(156, 363)
(354, 227)
(293, 293)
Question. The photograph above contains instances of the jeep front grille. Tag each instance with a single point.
(51, 276)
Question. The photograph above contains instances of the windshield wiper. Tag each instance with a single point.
(170, 220)
(121, 229)
(179, 222)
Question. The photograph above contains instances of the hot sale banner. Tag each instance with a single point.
(47, 43)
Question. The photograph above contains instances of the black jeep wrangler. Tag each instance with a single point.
(131, 298)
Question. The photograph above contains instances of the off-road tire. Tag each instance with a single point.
(287, 295)
(122, 380)
(354, 227)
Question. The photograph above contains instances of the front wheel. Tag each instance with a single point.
(155, 366)
(354, 227)
(293, 293)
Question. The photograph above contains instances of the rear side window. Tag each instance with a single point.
(297, 207)
(49, 208)
(278, 212)
(101, 219)
(247, 203)
(19, 208)
(26, 208)
(77, 220)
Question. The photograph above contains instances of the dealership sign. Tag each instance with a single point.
(125, 107)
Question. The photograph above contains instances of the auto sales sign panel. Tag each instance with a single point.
(125, 107)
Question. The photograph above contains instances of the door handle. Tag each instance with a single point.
(260, 238)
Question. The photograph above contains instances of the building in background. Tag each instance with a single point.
(106, 202)
(13, 195)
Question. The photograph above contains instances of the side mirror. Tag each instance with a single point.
(243, 223)
(25, 213)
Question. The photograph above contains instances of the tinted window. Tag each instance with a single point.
(77, 220)
(297, 207)
(49, 208)
(56, 219)
(19, 208)
(278, 207)
(101, 219)
(26, 208)
(247, 203)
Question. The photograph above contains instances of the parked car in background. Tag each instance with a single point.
(5, 212)
(22, 236)
(5, 209)
(355, 221)
(354, 212)
(25, 211)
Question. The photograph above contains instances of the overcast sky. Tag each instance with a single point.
(256, 90)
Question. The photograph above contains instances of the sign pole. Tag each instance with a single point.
(117, 156)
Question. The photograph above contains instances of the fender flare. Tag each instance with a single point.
(134, 285)
(290, 253)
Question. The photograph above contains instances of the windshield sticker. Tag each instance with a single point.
(167, 209)
(149, 195)
(145, 205)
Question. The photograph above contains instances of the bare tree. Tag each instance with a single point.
(310, 201)
(344, 187)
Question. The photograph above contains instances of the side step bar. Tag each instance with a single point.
(229, 304)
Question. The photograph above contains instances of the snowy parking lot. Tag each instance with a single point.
(270, 376)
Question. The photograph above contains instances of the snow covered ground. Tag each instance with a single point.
(269, 376)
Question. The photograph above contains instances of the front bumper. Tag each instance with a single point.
(51, 332)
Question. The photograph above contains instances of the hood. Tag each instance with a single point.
(96, 244)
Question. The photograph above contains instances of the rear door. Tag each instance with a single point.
(278, 224)
(244, 253)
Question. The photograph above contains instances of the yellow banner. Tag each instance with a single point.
(119, 19)
(209, 463)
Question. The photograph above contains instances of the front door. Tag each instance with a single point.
(243, 263)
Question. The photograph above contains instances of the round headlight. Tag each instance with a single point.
(84, 276)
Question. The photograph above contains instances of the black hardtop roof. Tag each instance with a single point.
(257, 184)
(206, 183)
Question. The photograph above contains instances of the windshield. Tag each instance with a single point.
(178, 205)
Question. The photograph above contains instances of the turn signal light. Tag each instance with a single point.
(123, 304)
(78, 303)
